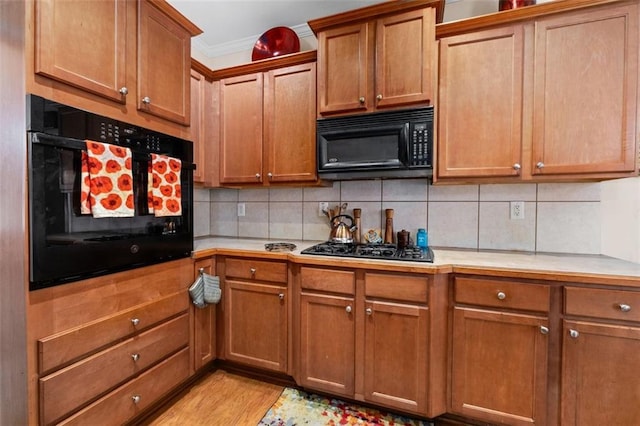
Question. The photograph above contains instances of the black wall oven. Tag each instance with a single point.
(67, 244)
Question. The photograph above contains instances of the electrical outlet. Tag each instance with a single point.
(241, 209)
(516, 210)
(323, 206)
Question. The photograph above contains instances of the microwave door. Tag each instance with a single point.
(364, 148)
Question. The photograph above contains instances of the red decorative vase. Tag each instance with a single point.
(514, 4)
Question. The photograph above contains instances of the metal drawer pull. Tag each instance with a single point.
(544, 330)
(369, 311)
(135, 321)
(124, 91)
(281, 296)
(146, 100)
(348, 309)
(573, 333)
(135, 357)
(253, 271)
(624, 307)
(517, 166)
(501, 295)
(136, 399)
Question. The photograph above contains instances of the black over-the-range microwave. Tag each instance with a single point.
(390, 144)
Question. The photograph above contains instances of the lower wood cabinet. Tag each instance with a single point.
(204, 331)
(600, 357)
(111, 346)
(499, 351)
(371, 336)
(255, 312)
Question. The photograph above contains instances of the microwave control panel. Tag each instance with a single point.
(419, 152)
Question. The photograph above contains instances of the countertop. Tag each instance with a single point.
(548, 266)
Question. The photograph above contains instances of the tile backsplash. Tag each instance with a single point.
(562, 218)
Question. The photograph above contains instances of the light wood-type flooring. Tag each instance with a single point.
(220, 399)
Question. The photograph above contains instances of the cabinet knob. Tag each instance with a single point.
(361, 99)
(501, 295)
(257, 175)
(270, 175)
(368, 311)
(135, 399)
(517, 166)
(379, 97)
(135, 357)
(544, 330)
(135, 321)
(252, 271)
(124, 91)
(574, 333)
(281, 296)
(539, 165)
(624, 307)
(348, 309)
(146, 100)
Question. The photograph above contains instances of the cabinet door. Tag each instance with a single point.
(256, 325)
(405, 46)
(198, 83)
(163, 85)
(241, 129)
(600, 384)
(480, 104)
(586, 74)
(83, 44)
(499, 366)
(345, 69)
(395, 360)
(290, 124)
(327, 343)
(204, 336)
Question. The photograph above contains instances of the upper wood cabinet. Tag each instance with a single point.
(375, 59)
(204, 124)
(267, 122)
(163, 80)
(513, 106)
(109, 51)
(69, 48)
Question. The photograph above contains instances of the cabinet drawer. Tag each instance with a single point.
(71, 387)
(602, 303)
(502, 294)
(329, 280)
(396, 287)
(120, 406)
(62, 348)
(259, 270)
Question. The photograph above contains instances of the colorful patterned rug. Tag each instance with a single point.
(296, 407)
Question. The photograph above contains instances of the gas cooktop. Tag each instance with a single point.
(371, 251)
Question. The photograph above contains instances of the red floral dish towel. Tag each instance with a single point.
(107, 182)
(164, 192)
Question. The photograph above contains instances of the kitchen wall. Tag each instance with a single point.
(562, 218)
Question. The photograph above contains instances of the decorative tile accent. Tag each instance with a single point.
(453, 224)
(568, 227)
(497, 231)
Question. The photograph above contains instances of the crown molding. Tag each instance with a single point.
(240, 45)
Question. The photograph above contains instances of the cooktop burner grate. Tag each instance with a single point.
(371, 251)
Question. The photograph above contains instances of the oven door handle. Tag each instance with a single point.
(81, 145)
